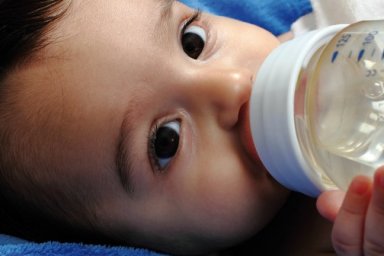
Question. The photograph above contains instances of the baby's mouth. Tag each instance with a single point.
(246, 135)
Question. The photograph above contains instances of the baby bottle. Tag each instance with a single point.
(317, 107)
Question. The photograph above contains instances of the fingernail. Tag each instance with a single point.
(360, 186)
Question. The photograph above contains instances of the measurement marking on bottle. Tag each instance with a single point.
(334, 56)
(361, 55)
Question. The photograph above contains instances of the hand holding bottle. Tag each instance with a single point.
(358, 215)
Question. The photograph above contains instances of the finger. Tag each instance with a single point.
(374, 227)
(329, 203)
(348, 229)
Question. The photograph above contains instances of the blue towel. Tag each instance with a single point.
(12, 246)
(274, 15)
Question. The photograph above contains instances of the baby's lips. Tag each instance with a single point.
(246, 135)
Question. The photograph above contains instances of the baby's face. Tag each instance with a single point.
(150, 108)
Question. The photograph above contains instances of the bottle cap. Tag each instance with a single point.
(272, 111)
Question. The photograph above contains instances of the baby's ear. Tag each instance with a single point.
(329, 203)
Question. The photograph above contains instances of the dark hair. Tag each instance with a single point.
(23, 26)
(24, 32)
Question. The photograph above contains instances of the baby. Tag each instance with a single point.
(126, 121)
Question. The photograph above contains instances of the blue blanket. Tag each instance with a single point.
(16, 247)
(274, 15)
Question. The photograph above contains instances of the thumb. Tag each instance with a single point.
(329, 203)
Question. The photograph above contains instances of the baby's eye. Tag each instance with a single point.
(165, 143)
(193, 41)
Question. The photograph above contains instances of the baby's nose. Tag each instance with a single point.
(226, 90)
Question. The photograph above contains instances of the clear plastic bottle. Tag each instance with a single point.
(317, 107)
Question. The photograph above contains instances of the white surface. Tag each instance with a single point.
(331, 12)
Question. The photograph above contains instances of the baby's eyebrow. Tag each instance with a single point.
(165, 10)
(123, 160)
(166, 5)
(164, 23)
